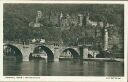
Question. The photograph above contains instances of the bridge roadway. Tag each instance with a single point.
(26, 50)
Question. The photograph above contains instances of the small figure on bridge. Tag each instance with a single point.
(42, 40)
(33, 40)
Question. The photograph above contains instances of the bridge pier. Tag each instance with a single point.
(85, 53)
(26, 50)
(26, 54)
(56, 54)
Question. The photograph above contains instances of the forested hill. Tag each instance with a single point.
(18, 16)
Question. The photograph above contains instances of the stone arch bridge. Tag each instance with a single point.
(56, 51)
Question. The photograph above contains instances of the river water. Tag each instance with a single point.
(63, 68)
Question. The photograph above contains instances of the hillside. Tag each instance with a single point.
(18, 16)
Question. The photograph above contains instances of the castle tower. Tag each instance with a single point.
(106, 37)
(60, 19)
(87, 19)
(61, 15)
(80, 19)
(39, 15)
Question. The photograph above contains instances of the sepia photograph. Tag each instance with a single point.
(59, 41)
(63, 39)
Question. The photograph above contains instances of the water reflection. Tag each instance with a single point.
(63, 68)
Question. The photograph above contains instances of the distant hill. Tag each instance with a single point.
(18, 16)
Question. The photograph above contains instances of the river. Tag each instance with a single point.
(63, 68)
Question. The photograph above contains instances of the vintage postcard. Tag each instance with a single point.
(82, 41)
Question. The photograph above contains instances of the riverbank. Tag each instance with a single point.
(99, 59)
(105, 59)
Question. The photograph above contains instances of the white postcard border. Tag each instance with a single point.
(67, 78)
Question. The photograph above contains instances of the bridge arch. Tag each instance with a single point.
(73, 52)
(17, 53)
(50, 55)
